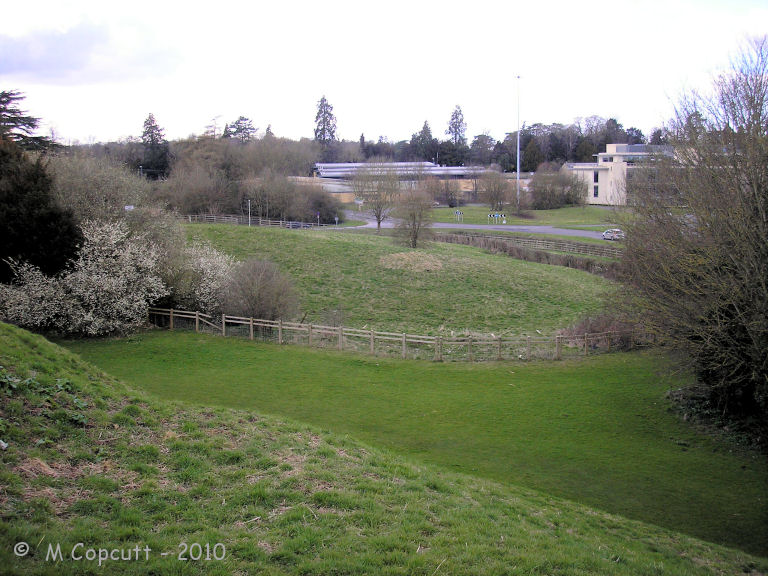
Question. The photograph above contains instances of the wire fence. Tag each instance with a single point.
(402, 345)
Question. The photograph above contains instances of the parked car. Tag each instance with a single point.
(613, 234)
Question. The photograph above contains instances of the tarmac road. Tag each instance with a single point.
(389, 223)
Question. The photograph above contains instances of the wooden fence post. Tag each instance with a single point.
(469, 347)
(404, 346)
(558, 345)
(223, 324)
(341, 337)
(250, 327)
(171, 325)
(586, 342)
(373, 343)
(280, 331)
(309, 334)
(197, 321)
(528, 348)
(498, 357)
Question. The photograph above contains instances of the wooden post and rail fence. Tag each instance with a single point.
(438, 348)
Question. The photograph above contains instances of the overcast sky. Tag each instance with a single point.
(93, 71)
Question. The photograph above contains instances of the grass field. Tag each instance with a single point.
(598, 431)
(369, 281)
(570, 217)
(92, 461)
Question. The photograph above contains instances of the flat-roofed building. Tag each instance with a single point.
(607, 177)
(405, 170)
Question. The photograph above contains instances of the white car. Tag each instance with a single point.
(613, 234)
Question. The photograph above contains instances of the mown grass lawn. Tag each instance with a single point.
(599, 430)
(94, 463)
(568, 217)
(369, 281)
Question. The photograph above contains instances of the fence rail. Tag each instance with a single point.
(534, 243)
(245, 220)
(403, 345)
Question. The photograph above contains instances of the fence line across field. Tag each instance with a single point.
(533, 243)
(244, 220)
(404, 345)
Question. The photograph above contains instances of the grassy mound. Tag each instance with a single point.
(367, 280)
(596, 430)
(92, 465)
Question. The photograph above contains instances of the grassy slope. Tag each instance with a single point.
(282, 498)
(597, 430)
(467, 290)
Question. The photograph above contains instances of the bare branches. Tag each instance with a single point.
(697, 245)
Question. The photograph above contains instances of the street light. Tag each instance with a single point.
(518, 145)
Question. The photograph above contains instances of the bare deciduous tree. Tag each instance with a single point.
(696, 255)
(414, 211)
(379, 188)
(494, 189)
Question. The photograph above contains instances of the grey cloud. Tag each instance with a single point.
(83, 54)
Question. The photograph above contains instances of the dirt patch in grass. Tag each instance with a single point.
(411, 261)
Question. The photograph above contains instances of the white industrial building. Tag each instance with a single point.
(607, 177)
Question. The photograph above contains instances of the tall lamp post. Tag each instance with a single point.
(518, 145)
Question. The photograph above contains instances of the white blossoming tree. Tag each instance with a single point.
(107, 289)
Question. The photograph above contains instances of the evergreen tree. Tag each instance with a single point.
(457, 128)
(156, 160)
(16, 125)
(424, 146)
(241, 129)
(35, 229)
(325, 122)
(325, 130)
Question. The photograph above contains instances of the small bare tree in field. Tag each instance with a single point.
(379, 188)
(414, 211)
(696, 257)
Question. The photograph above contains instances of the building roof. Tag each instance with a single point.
(348, 170)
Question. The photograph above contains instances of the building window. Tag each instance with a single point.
(594, 178)
(608, 159)
(594, 192)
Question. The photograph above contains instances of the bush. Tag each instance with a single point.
(257, 289)
(699, 270)
(606, 322)
(197, 277)
(555, 189)
(107, 289)
(95, 188)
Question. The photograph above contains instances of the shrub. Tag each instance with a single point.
(555, 189)
(197, 279)
(257, 289)
(699, 272)
(95, 188)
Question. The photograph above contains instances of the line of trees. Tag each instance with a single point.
(539, 143)
(88, 245)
